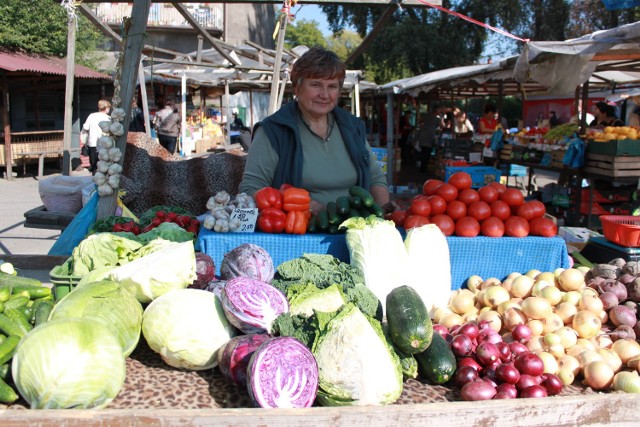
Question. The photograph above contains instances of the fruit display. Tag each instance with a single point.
(493, 210)
(611, 133)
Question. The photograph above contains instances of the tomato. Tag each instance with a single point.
(415, 221)
(492, 227)
(460, 180)
(430, 186)
(438, 204)
(544, 227)
(456, 209)
(500, 210)
(488, 194)
(445, 223)
(467, 226)
(397, 217)
(420, 206)
(468, 195)
(498, 186)
(516, 226)
(531, 209)
(512, 197)
(479, 210)
(447, 191)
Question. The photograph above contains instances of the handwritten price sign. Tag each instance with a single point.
(247, 218)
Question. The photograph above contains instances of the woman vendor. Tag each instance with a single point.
(312, 143)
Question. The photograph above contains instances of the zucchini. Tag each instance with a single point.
(365, 196)
(312, 225)
(437, 363)
(353, 213)
(376, 210)
(332, 213)
(8, 348)
(409, 323)
(342, 204)
(323, 220)
(355, 202)
(7, 394)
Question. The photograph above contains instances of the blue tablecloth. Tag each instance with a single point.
(484, 256)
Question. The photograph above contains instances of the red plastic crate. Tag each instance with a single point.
(621, 229)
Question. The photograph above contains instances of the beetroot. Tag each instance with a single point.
(282, 373)
(233, 357)
(247, 260)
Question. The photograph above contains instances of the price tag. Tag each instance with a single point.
(247, 218)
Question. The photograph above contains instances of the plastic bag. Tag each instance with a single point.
(496, 140)
(77, 229)
(63, 194)
(574, 157)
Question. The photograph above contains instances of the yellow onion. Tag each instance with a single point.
(547, 276)
(566, 376)
(572, 297)
(588, 356)
(611, 357)
(591, 301)
(538, 286)
(550, 362)
(627, 349)
(439, 313)
(532, 273)
(503, 307)
(566, 311)
(521, 286)
(570, 363)
(470, 316)
(493, 318)
(512, 317)
(536, 308)
(586, 324)
(551, 323)
(473, 283)
(551, 294)
(568, 337)
(535, 344)
(557, 350)
(603, 316)
(495, 295)
(462, 301)
(450, 320)
(598, 375)
(536, 327)
(626, 381)
(551, 339)
(571, 279)
(602, 341)
(491, 281)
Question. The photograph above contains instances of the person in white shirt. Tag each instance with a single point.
(92, 128)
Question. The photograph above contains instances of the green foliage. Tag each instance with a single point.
(40, 26)
(305, 33)
(344, 43)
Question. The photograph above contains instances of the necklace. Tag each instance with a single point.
(330, 123)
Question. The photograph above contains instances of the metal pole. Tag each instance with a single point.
(145, 101)
(183, 105)
(68, 96)
(390, 154)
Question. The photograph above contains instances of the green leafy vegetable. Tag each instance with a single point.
(99, 250)
(168, 231)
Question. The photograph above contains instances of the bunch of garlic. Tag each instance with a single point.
(221, 206)
(107, 177)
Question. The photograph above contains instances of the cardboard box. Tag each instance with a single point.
(576, 236)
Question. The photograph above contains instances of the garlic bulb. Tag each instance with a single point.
(116, 128)
(100, 178)
(209, 221)
(103, 154)
(117, 114)
(115, 168)
(105, 190)
(114, 181)
(104, 126)
(103, 166)
(105, 141)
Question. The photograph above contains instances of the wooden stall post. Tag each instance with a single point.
(275, 79)
(136, 31)
(68, 96)
(7, 128)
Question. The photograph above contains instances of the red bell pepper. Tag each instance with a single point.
(297, 222)
(295, 199)
(268, 197)
(272, 220)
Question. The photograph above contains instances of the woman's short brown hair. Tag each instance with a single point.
(318, 63)
(103, 104)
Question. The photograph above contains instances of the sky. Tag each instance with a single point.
(312, 12)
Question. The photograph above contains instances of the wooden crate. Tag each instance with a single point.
(25, 147)
(613, 166)
(556, 158)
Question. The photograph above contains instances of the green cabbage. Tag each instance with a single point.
(69, 363)
(96, 275)
(172, 266)
(187, 327)
(356, 362)
(305, 299)
(168, 231)
(108, 302)
(99, 250)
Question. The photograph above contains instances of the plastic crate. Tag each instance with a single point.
(62, 283)
(514, 170)
(621, 229)
(480, 175)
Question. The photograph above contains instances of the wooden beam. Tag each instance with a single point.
(388, 13)
(135, 34)
(68, 95)
(200, 29)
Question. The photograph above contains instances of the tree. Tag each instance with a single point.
(40, 26)
(344, 43)
(304, 33)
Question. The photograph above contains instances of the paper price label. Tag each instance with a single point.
(247, 218)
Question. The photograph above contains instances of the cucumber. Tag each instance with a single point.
(332, 213)
(8, 348)
(312, 225)
(16, 301)
(20, 320)
(7, 394)
(409, 323)
(10, 279)
(323, 221)
(42, 312)
(32, 291)
(342, 204)
(354, 213)
(5, 293)
(4, 371)
(9, 327)
(355, 202)
(376, 210)
(437, 363)
(365, 196)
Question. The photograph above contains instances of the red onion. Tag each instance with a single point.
(483, 324)
(517, 349)
(461, 345)
(530, 364)
(521, 333)
(470, 361)
(487, 353)
(470, 329)
(533, 391)
(488, 335)
(478, 390)
(489, 374)
(465, 374)
(505, 351)
(454, 330)
(552, 384)
(527, 381)
(507, 373)
(508, 389)
(441, 329)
